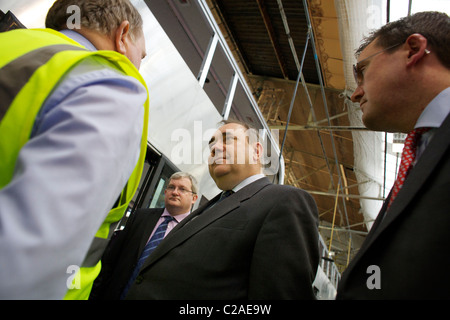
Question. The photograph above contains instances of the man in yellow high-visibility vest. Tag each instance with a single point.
(73, 136)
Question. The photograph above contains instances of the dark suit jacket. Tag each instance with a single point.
(122, 254)
(409, 243)
(259, 243)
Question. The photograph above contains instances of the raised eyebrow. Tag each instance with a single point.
(366, 58)
(224, 136)
(228, 134)
(213, 138)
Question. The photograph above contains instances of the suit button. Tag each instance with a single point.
(139, 279)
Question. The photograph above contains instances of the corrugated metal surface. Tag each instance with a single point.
(248, 23)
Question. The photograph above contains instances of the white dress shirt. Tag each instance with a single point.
(247, 181)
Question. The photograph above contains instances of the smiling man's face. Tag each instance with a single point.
(233, 157)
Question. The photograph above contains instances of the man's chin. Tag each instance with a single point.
(173, 202)
(174, 207)
(225, 182)
(219, 170)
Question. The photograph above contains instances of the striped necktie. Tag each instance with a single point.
(157, 237)
(408, 156)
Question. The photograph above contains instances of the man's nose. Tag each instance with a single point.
(176, 190)
(357, 94)
(218, 146)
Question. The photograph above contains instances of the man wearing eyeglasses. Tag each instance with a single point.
(403, 85)
(143, 232)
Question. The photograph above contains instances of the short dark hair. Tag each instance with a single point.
(253, 134)
(433, 25)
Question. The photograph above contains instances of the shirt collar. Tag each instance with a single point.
(178, 217)
(79, 38)
(247, 181)
(436, 111)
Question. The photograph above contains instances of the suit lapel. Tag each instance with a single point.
(202, 217)
(412, 186)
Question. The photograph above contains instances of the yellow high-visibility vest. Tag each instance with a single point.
(31, 65)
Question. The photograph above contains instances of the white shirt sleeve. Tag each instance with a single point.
(68, 176)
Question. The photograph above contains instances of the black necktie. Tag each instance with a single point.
(225, 194)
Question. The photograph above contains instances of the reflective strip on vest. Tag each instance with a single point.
(16, 74)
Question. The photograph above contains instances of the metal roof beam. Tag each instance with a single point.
(308, 127)
(273, 38)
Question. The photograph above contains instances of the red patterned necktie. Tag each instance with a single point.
(408, 156)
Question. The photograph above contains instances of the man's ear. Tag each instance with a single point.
(417, 46)
(120, 37)
(194, 198)
(258, 152)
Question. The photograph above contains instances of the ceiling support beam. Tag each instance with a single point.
(329, 159)
(309, 174)
(308, 127)
(364, 233)
(354, 196)
(334, 117)
(273, 38)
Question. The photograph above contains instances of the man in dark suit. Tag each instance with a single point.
(127, 246)
(260, 242)
(403, 77)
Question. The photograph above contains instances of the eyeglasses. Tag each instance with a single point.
(180, 190)
(358, 71)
